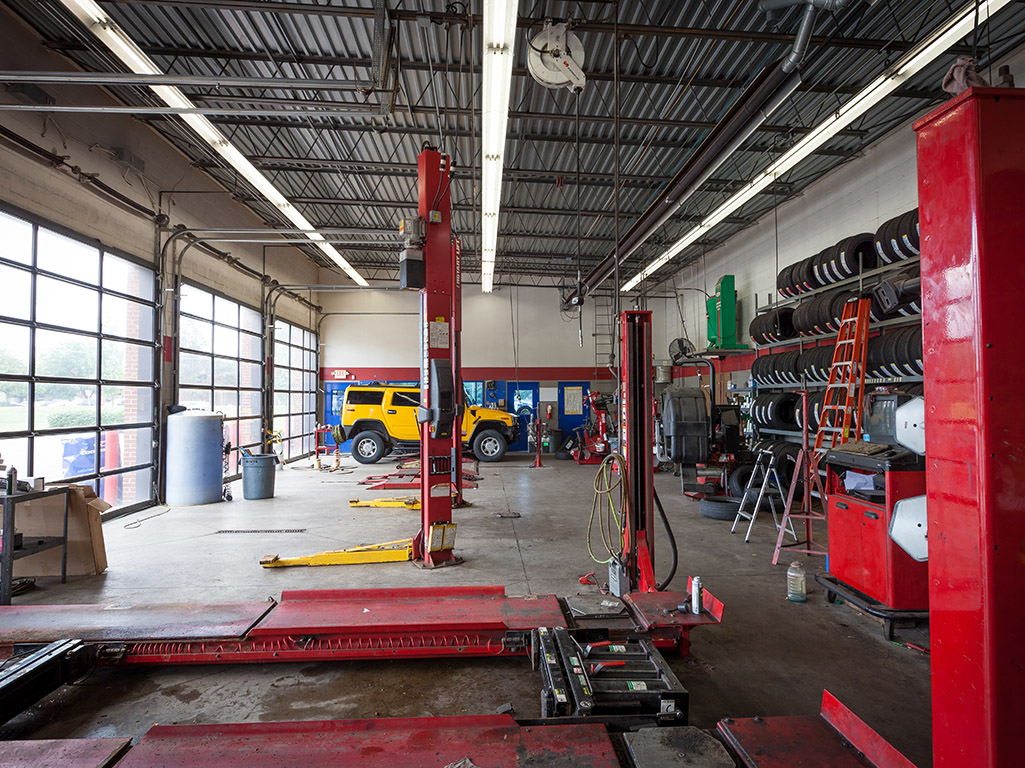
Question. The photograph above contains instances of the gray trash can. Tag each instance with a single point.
(258, 476)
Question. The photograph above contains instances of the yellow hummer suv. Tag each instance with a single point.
(379, 419)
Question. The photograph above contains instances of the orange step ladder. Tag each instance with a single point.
(840, 419)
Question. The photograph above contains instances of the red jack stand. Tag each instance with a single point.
(537, 441)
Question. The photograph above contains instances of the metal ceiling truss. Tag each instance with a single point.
(410, 65)
(361, 111)
(431, 131)
(524, 22)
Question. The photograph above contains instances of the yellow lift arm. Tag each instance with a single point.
(441, 536)
(389, 552)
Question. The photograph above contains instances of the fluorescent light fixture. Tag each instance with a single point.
(919, 57)
(133, 57)
(499, 48)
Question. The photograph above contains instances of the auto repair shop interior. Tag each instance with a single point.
(484, 383)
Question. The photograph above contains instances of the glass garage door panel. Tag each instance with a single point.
(295, 388)
(220, 349)
(77, 356)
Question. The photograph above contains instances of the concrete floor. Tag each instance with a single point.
(769, 656)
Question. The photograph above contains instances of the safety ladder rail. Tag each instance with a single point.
(839, 420)
(604, 329)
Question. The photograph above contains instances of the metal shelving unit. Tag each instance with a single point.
(860, 278)
(821, 385)
(893, 322)
(33, 544)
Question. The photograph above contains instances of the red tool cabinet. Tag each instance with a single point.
(862, 554)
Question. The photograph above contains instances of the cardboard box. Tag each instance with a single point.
(87, 554)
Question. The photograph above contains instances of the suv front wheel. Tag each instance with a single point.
(369, 447)
(489, 445)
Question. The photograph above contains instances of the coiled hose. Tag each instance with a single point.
(610, 525)
(604, 506)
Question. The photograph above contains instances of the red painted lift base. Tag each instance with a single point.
(62, 753)
(672, 629)
(337, 625)
(836, 739)
(314, 625)
(494, 741)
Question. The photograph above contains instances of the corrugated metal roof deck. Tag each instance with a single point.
(357, 167)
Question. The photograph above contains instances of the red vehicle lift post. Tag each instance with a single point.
(635, 399)
(971, 165)
(432, 545)
(457, 373)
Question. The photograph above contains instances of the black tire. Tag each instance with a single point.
(524, 410)
(489, 445)
(738, 479)
(807, 274)
(369, 447)
(819, 260)
(874, 357)
(719, 508)
(908, 233)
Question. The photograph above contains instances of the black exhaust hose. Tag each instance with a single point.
(672, 543)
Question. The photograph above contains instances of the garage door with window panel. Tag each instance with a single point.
(77, 362)
(219, 354)
(295, 388)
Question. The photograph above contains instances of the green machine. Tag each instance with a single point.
(722, 315)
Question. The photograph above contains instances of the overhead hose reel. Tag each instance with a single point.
(555, 58)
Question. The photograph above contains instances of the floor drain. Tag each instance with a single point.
(265, 530)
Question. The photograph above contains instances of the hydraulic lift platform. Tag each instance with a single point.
(332, 625)
(62, 753)
(492, 741)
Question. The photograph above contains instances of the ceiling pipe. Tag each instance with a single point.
(800, 47)
(825, 5)
(766, 92)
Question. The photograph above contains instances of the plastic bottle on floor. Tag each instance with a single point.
(797, 583)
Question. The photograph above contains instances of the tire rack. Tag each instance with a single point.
(866, 279)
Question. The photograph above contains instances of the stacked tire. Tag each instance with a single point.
(776, 325)
(892, 354)
(815, 363)
(897, 238)
(821, 314)
(773, 370)
(775, 411)
(815, 403)
(896, 353)
(841, 261)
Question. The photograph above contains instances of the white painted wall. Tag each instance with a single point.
(496, 326)
(857, 197)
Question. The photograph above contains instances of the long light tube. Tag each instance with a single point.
(919, 57)
(133, 57)
(499, 48)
